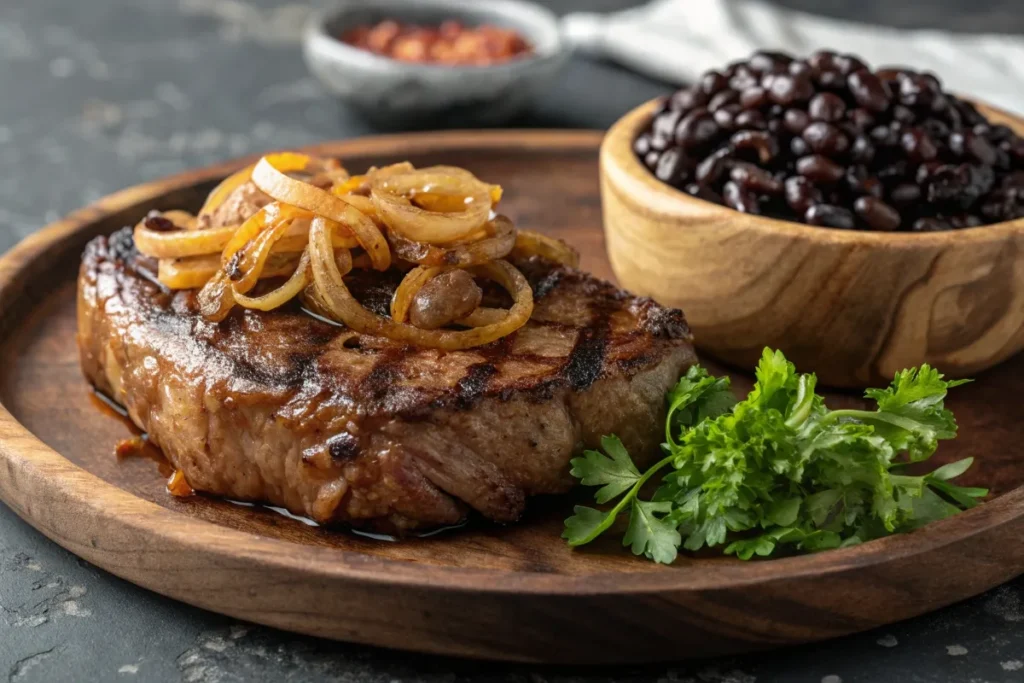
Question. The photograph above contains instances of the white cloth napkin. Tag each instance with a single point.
(677, 40)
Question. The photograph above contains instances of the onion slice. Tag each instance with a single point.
(393, 198)
(195, 271)
(296, 193)
(334, 297)
(292, 287)
(499, 238)
(529, 243)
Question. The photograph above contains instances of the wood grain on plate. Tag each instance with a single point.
(514, 593)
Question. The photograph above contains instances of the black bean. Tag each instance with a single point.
(862, 151)
(973, 146)
(799, 147)
(1013, 180)
(905, 194)
(894, 173)
(1016, 150)
(760, 142)
(796, 120)
(965, 220)
(696, 130)
(953, 185)
(711, 168)
(801, 193)
(926, 171)
(824, 138)
(712, 82)
(1000, 132)
(670, 166)
(827, 107)
(800, 69)
(819, 169)
(642, 145)
(918, 145)
(830, 216)
(930, 225)
(884, 136)
(725, 116)
(722, 98)
(754, 179)
(687, 99)
(664, 126)
(936, 129)
(751, 119)
(877, 214)
(743, 79)
(754, 98)
(766, 62)
(903, 114)
(740, 199)
(862, 119)
(860, 183)
(870, 91)
(831, 79)
(787, 89)
(822, 59)
(847, 64)
(917, 91)
(703, 192)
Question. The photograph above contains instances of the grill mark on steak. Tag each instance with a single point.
(587, 357)
(472, 386)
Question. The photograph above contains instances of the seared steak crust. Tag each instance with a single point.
(284, 408)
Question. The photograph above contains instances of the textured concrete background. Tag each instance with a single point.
(101, 94)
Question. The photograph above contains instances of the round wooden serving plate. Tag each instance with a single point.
(512, 593)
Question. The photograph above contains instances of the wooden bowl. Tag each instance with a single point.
(853, 306)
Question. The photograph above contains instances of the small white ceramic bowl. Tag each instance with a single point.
(416, 95)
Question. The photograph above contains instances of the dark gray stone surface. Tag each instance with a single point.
(99, 95)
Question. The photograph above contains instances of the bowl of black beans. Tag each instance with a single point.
(861, 220)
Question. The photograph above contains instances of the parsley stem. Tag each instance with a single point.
(609, 519)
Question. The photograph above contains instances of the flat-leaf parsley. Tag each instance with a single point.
(779, 470)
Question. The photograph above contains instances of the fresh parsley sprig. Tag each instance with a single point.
(778, 471)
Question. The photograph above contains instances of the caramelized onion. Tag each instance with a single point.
(180, 243)
(283, 294)
(216, 298)
(244, 270)
(296, 193)
(529, 243)
(339, 303)
(393, 196)
(435, 219)
(483, 316)
(498, 240)
(195, 271)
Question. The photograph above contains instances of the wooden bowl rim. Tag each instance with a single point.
(617, 153)
(44, 471)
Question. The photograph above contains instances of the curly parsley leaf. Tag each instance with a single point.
(615, 473)
(650, 534)
(778, 472)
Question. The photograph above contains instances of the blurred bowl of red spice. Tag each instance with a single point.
(420, 63)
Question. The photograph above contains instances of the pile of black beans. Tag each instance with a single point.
(827, 141)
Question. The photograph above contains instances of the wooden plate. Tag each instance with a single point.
(515, 593)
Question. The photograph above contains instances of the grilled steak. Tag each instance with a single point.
(286, 408)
